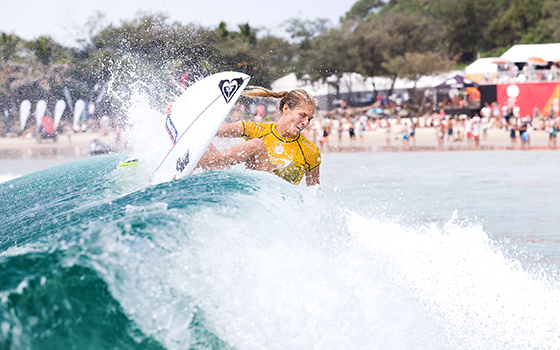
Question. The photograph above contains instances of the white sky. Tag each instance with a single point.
(61, 18)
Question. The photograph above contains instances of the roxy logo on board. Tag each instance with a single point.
(230, 87)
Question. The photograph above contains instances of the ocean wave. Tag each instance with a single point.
(92, 256)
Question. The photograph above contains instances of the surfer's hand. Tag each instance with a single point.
(168, 108)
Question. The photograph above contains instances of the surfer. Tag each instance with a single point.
(279, 148)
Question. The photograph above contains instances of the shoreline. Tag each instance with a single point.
(392, 149)
(20, 156)
(80, 145)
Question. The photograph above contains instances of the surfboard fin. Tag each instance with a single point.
(128, 162)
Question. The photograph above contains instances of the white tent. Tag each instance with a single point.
(290, 82)
(520, 53)
(481, 66)
(287, 82)
(354, 82)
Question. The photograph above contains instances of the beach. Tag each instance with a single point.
(79, 146)
(426, 140)
(23, 155)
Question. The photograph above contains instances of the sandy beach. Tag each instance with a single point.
(80, 145)
(426, 140)
(20, 155)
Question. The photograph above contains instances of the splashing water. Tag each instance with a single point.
(93, 257)
(8, 177)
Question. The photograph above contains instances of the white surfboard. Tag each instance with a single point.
(196, 117)
(24, 110)
(58, 110)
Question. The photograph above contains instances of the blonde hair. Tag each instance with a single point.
(293, 99)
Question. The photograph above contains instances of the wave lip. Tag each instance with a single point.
(8, 177)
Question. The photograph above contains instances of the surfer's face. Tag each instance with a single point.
(298, 118)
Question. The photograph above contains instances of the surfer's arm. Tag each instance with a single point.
(312, 177)
(230, 130)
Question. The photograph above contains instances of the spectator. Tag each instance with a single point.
(351, 132)
(468, 130)
(553, 131)
(450, 130)
(404, 132)
(512, 127)
(325, 137)
(412, 136)
(476, 130)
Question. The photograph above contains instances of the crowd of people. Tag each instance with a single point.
(510, 73)
(347, 127)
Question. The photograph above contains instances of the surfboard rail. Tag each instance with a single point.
(196, 117)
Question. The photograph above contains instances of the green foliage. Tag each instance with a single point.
(423, 7)
(43, 70)
(8, 46)
(495, 52)
(303, 31)
(394, 38)
(547, 29)
(154, 39)
(364, 8)
(465, 24)
(265, 59)
(330, 55)
(379, 45)
(413, 65)
(148, 50)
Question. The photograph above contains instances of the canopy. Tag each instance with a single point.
(481, 66)
(537, 61)
(520, 53)
(500, 60)
(457, 82)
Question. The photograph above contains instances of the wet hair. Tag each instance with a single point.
(295, 98)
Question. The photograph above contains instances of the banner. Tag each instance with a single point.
(527, 96)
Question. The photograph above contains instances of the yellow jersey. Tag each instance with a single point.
(290, 158)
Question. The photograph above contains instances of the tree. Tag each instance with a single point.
(330, 55)
(44, 69)
(264, 59)
(465, 25)
(384, 40)
(527, 22)
(303, 31)
(148, 52)
(362, 9)
(414, 65)
(548, 27)
(10, 45)
(302, 34)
